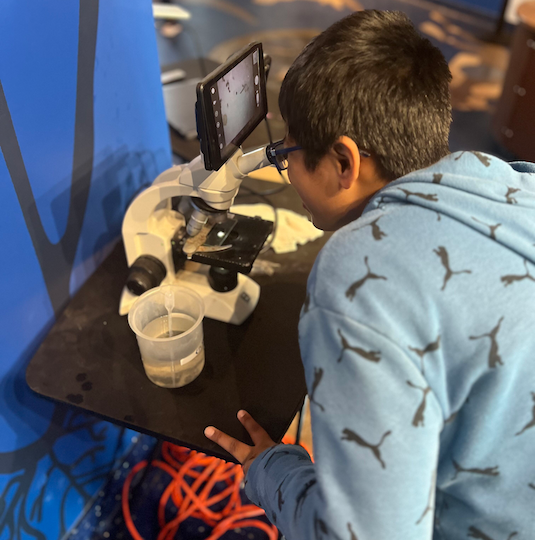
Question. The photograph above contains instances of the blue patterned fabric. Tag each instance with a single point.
(418, 341)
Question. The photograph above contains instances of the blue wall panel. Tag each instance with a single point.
(491, 8)
(128, 112)
(82, 129)
(40, 86)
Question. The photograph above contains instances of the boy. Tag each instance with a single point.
(417, 333)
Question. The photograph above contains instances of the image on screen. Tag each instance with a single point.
(236, 100)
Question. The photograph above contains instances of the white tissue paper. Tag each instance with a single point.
(293, 229)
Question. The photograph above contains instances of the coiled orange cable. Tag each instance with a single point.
(193, 478)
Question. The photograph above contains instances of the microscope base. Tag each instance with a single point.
(231, 307)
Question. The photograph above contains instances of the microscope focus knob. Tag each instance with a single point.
(221, 279)
(146, 273)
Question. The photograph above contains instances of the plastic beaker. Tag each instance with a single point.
(176, 360)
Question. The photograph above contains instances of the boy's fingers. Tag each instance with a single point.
(256, 431)
(234, 447)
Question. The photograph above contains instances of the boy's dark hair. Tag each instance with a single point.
(372, 77)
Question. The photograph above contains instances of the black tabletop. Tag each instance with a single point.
(90, 358)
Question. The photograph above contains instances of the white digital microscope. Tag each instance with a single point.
(179, 230)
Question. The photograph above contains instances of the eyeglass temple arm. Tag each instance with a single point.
(274, 152)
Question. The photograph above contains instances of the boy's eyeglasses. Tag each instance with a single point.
(277, 154)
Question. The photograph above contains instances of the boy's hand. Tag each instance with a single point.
(244, 453)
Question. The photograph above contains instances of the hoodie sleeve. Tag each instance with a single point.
(376, 426)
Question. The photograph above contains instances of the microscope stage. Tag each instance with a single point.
(247, 235)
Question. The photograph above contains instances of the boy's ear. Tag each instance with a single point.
(347, 161)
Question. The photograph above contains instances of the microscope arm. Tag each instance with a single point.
(150, 224)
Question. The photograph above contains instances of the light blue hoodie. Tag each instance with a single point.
(418, 342)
